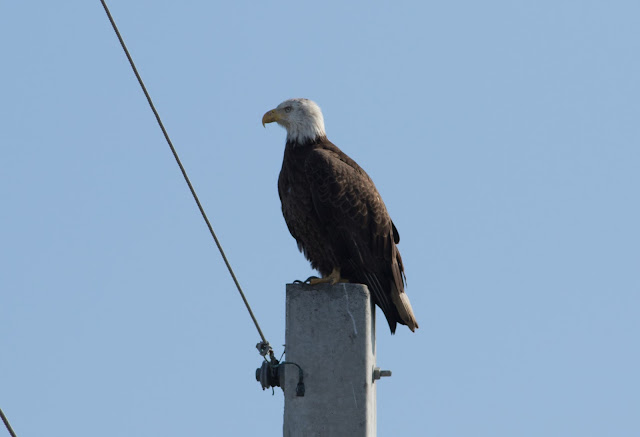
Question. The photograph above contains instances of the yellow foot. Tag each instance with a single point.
(333, 278)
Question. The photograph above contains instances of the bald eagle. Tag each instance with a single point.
(335, 213)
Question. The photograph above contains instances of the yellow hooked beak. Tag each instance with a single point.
(271, 116)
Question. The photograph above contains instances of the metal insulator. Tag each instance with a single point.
(268, 376)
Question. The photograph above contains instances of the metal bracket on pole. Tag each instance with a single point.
(377, 373)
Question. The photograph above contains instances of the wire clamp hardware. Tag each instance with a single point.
(264, 348)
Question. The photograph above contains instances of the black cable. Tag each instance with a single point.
(6, 423)
(264, 346)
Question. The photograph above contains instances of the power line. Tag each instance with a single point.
(263, 347)
(6, 423)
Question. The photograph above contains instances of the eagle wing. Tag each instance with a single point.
(358, 226)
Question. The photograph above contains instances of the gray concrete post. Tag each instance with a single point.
(330, 333)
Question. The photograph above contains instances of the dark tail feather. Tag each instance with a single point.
(381, 299)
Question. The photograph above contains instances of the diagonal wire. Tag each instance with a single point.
(184, 173)
(6, 423)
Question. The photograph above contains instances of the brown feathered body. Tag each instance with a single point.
(335, 213)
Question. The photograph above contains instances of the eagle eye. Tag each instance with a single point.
(287, 109)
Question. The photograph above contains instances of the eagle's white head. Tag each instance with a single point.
(302, 119)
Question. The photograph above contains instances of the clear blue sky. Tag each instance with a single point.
(504, 137)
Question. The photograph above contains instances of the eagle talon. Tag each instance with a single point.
(311, 280)
(306, 281)
(332, 279)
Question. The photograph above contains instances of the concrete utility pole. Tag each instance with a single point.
(330, 334)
